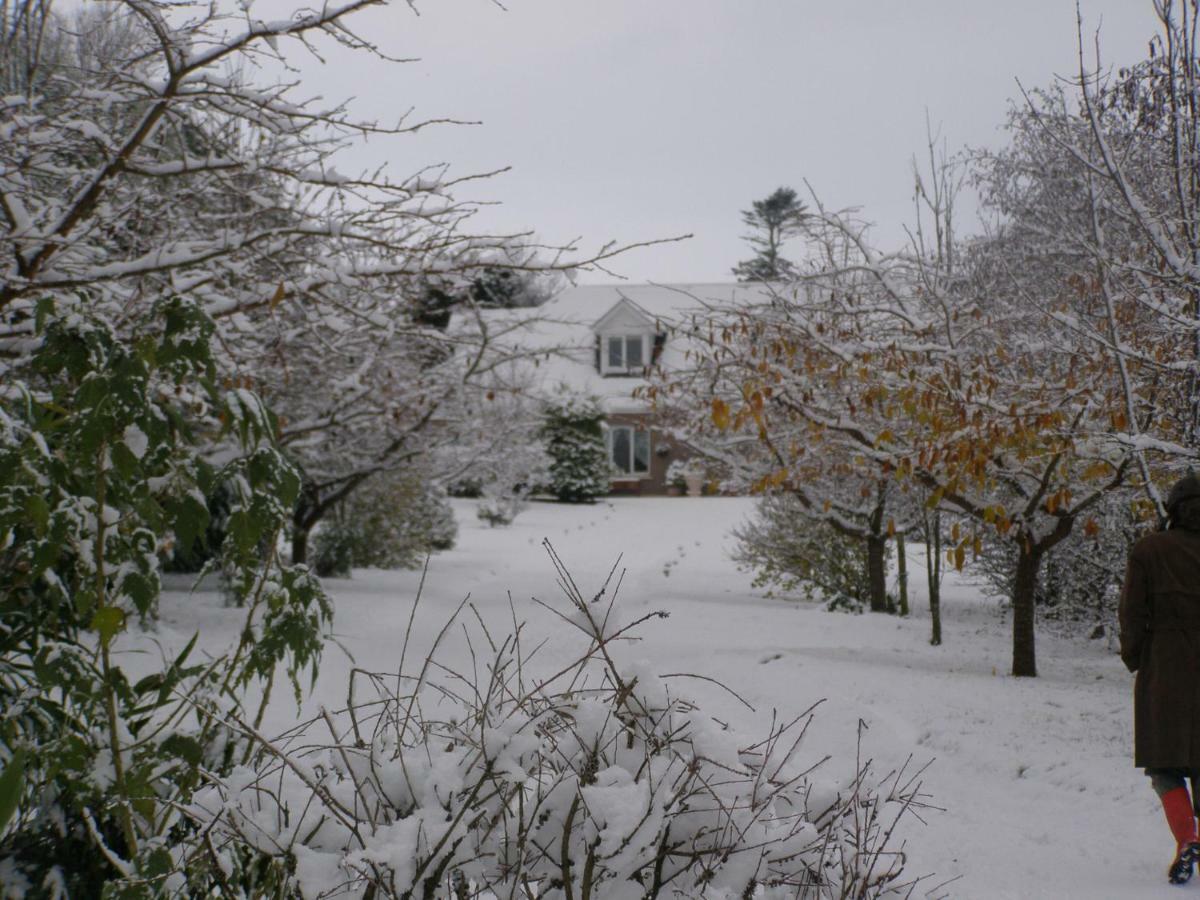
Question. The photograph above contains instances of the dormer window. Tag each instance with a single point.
(626, 340)
(624, 354)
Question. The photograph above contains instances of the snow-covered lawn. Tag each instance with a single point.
(1035, 776)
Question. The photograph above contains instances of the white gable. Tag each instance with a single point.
(625, 316)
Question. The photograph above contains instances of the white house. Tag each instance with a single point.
(600, 341)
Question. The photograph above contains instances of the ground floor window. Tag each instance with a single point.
(629, 450)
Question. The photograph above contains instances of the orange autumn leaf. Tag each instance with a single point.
(720, 413)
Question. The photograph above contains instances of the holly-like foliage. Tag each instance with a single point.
(99, 476)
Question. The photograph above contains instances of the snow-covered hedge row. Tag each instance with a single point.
(594, 780)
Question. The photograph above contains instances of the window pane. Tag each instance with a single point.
(616, 358)
(620, 449)
(633, 352)
(641, 451)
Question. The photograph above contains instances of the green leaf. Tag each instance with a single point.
(157, 864)
(38, 511)
(142, 590)
(108, 621)
(184, 747)
(241, 528)
(189, 520)
(45, 309)
(12, 782)
(289, 486)
(124, 461)
(145, 805)
(149, 683)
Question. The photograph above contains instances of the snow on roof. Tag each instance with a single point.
(560, 336)
(588, 303)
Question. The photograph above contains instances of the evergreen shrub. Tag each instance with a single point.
(574, 438)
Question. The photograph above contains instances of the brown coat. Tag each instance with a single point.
(1160, 641)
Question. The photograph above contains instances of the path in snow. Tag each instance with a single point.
(1035, 775)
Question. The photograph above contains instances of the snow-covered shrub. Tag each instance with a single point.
(500, 509)
(504, 780)
(508, 474)
(393, 523)
(508, 482)
(334, 548)
(469, 487)
(433, 526)
(573, 433)
(680, 470)
(497, 455)
(676, 476)
(791, 552)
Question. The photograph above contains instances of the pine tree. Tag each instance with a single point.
(773, 220)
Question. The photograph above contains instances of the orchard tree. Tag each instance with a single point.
(772, 221)
(1098, 206)
(912, 363)
(717, 406)
(1144, 159)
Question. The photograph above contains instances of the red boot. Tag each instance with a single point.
(1181, 818)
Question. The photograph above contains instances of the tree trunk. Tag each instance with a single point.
(1029, 560)
(300, 543)
(933, 571)
(902, 565)
(877, 572)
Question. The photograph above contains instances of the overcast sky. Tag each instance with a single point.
(636, 119)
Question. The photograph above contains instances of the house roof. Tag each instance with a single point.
(561, 334)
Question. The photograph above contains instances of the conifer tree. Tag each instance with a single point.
(574, 435)
(773, 220)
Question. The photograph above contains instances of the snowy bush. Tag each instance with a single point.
(433, 526)
(498, 457)
(333, 549)
(508, 480)
(504, 496)
(676, 477)
(597, 780)
(790, 551)
(681, 469)
(501, 508)
(574, 437)
(394, 523)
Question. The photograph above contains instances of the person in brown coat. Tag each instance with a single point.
(1160, 642)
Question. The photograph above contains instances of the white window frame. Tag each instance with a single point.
(607, 368)
(628, 474)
